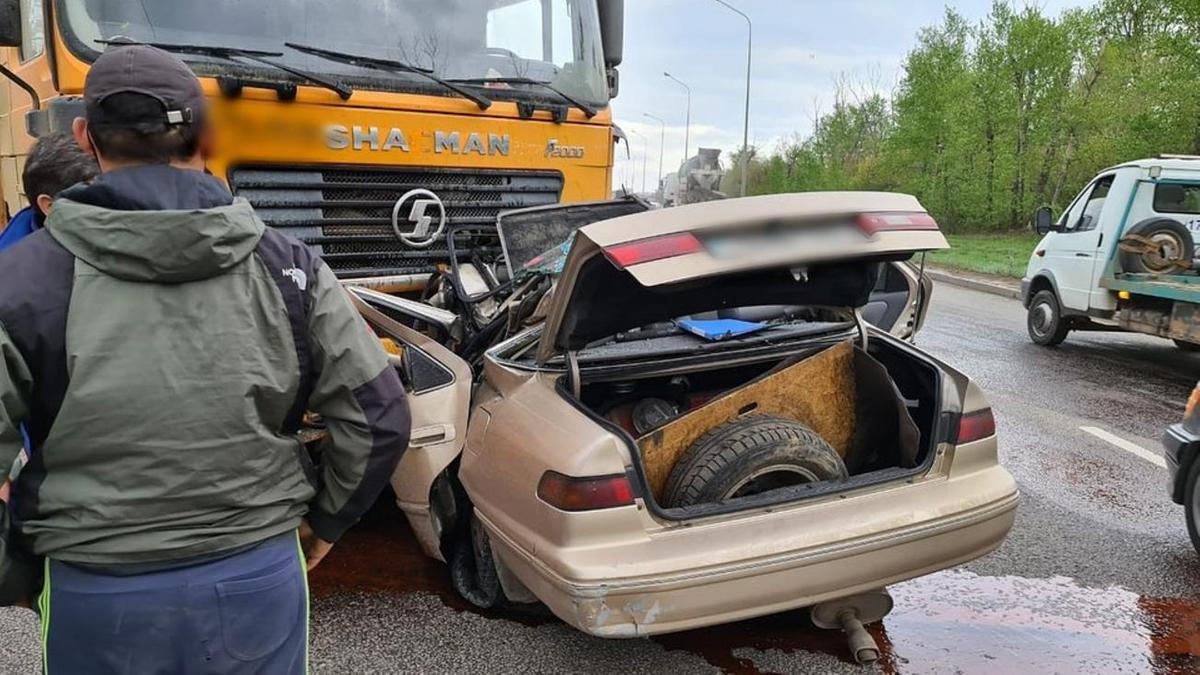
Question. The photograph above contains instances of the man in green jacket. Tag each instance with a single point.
(161, 345)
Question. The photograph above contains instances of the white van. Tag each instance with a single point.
(1121, 257)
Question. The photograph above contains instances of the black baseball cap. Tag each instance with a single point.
(148, 71)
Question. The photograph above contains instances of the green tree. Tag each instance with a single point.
(994, 119)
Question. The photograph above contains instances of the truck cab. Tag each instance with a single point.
(347, 125)
(1120, 256)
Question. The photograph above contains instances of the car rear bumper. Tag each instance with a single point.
(1180, 449)
(684, 599)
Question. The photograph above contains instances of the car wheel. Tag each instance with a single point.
(748, 456)
(472, 569)
(1191, 501)
(474, 575)
(1045, 321)
(1172, 242)
(1187, 346)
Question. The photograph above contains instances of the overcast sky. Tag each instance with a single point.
(800, 49)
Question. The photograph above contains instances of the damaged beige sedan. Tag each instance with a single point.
(688, 417)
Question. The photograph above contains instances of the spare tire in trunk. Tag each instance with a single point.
(748, 456)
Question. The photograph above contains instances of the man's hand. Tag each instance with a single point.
(315, 548)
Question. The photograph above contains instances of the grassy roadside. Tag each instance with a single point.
(1001, 254)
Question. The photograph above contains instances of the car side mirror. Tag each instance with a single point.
(403, 365)
(1043, 221)
(10, 23)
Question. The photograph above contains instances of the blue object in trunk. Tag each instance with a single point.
(720, 329)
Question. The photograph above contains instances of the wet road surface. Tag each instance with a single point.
(1097, 576)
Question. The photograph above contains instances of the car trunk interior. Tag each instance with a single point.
(606, 300)
(878, 409)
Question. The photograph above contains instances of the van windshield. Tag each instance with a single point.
(551, 41)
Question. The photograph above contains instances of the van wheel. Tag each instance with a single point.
(1187, 346)
(748, 456)
(1045, 321)
(1171, 241)
(1191, 502)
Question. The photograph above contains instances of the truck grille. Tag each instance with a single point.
(345, 214)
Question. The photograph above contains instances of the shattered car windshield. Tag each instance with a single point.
(551, 262)
(551, 41)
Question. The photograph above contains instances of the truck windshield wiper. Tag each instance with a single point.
(389, 66)
(228, 53)
(587, 109)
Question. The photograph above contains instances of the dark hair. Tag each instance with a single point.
(149, 142)
(55, 163)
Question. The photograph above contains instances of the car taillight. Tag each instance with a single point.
(655, 248)
(585, 494)
(976, 426)
(870, 223)
(1192, 404)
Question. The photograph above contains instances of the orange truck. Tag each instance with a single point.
(365, 129)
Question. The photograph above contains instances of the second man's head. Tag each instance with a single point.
(144, 106)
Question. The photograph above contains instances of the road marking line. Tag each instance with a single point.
(1131, 448)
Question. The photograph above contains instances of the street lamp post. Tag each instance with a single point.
(746, 121)
(645, 151)
(687, 130)
(662, 144)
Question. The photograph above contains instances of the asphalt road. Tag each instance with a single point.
(1097, 576)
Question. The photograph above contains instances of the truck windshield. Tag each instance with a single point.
(551, 41)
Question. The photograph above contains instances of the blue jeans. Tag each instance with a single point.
(247, 613)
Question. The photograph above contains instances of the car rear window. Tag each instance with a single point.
(1176, 198)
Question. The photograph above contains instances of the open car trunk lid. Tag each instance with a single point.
(813, 248)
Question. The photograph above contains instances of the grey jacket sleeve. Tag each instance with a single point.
(16, 568)
(363, 403)
(16, 383)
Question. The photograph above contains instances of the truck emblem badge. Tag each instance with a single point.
(555, 149)
(419, 218)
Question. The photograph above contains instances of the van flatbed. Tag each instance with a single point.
(1178, 287)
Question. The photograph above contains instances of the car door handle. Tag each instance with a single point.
(431, 435)
(1083, 255)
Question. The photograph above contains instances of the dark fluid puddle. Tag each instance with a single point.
(381, 555)
(949, 622)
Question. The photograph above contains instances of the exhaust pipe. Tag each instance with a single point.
(862, 645)
(849, 615)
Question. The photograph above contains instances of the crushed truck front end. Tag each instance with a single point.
(339, 188)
